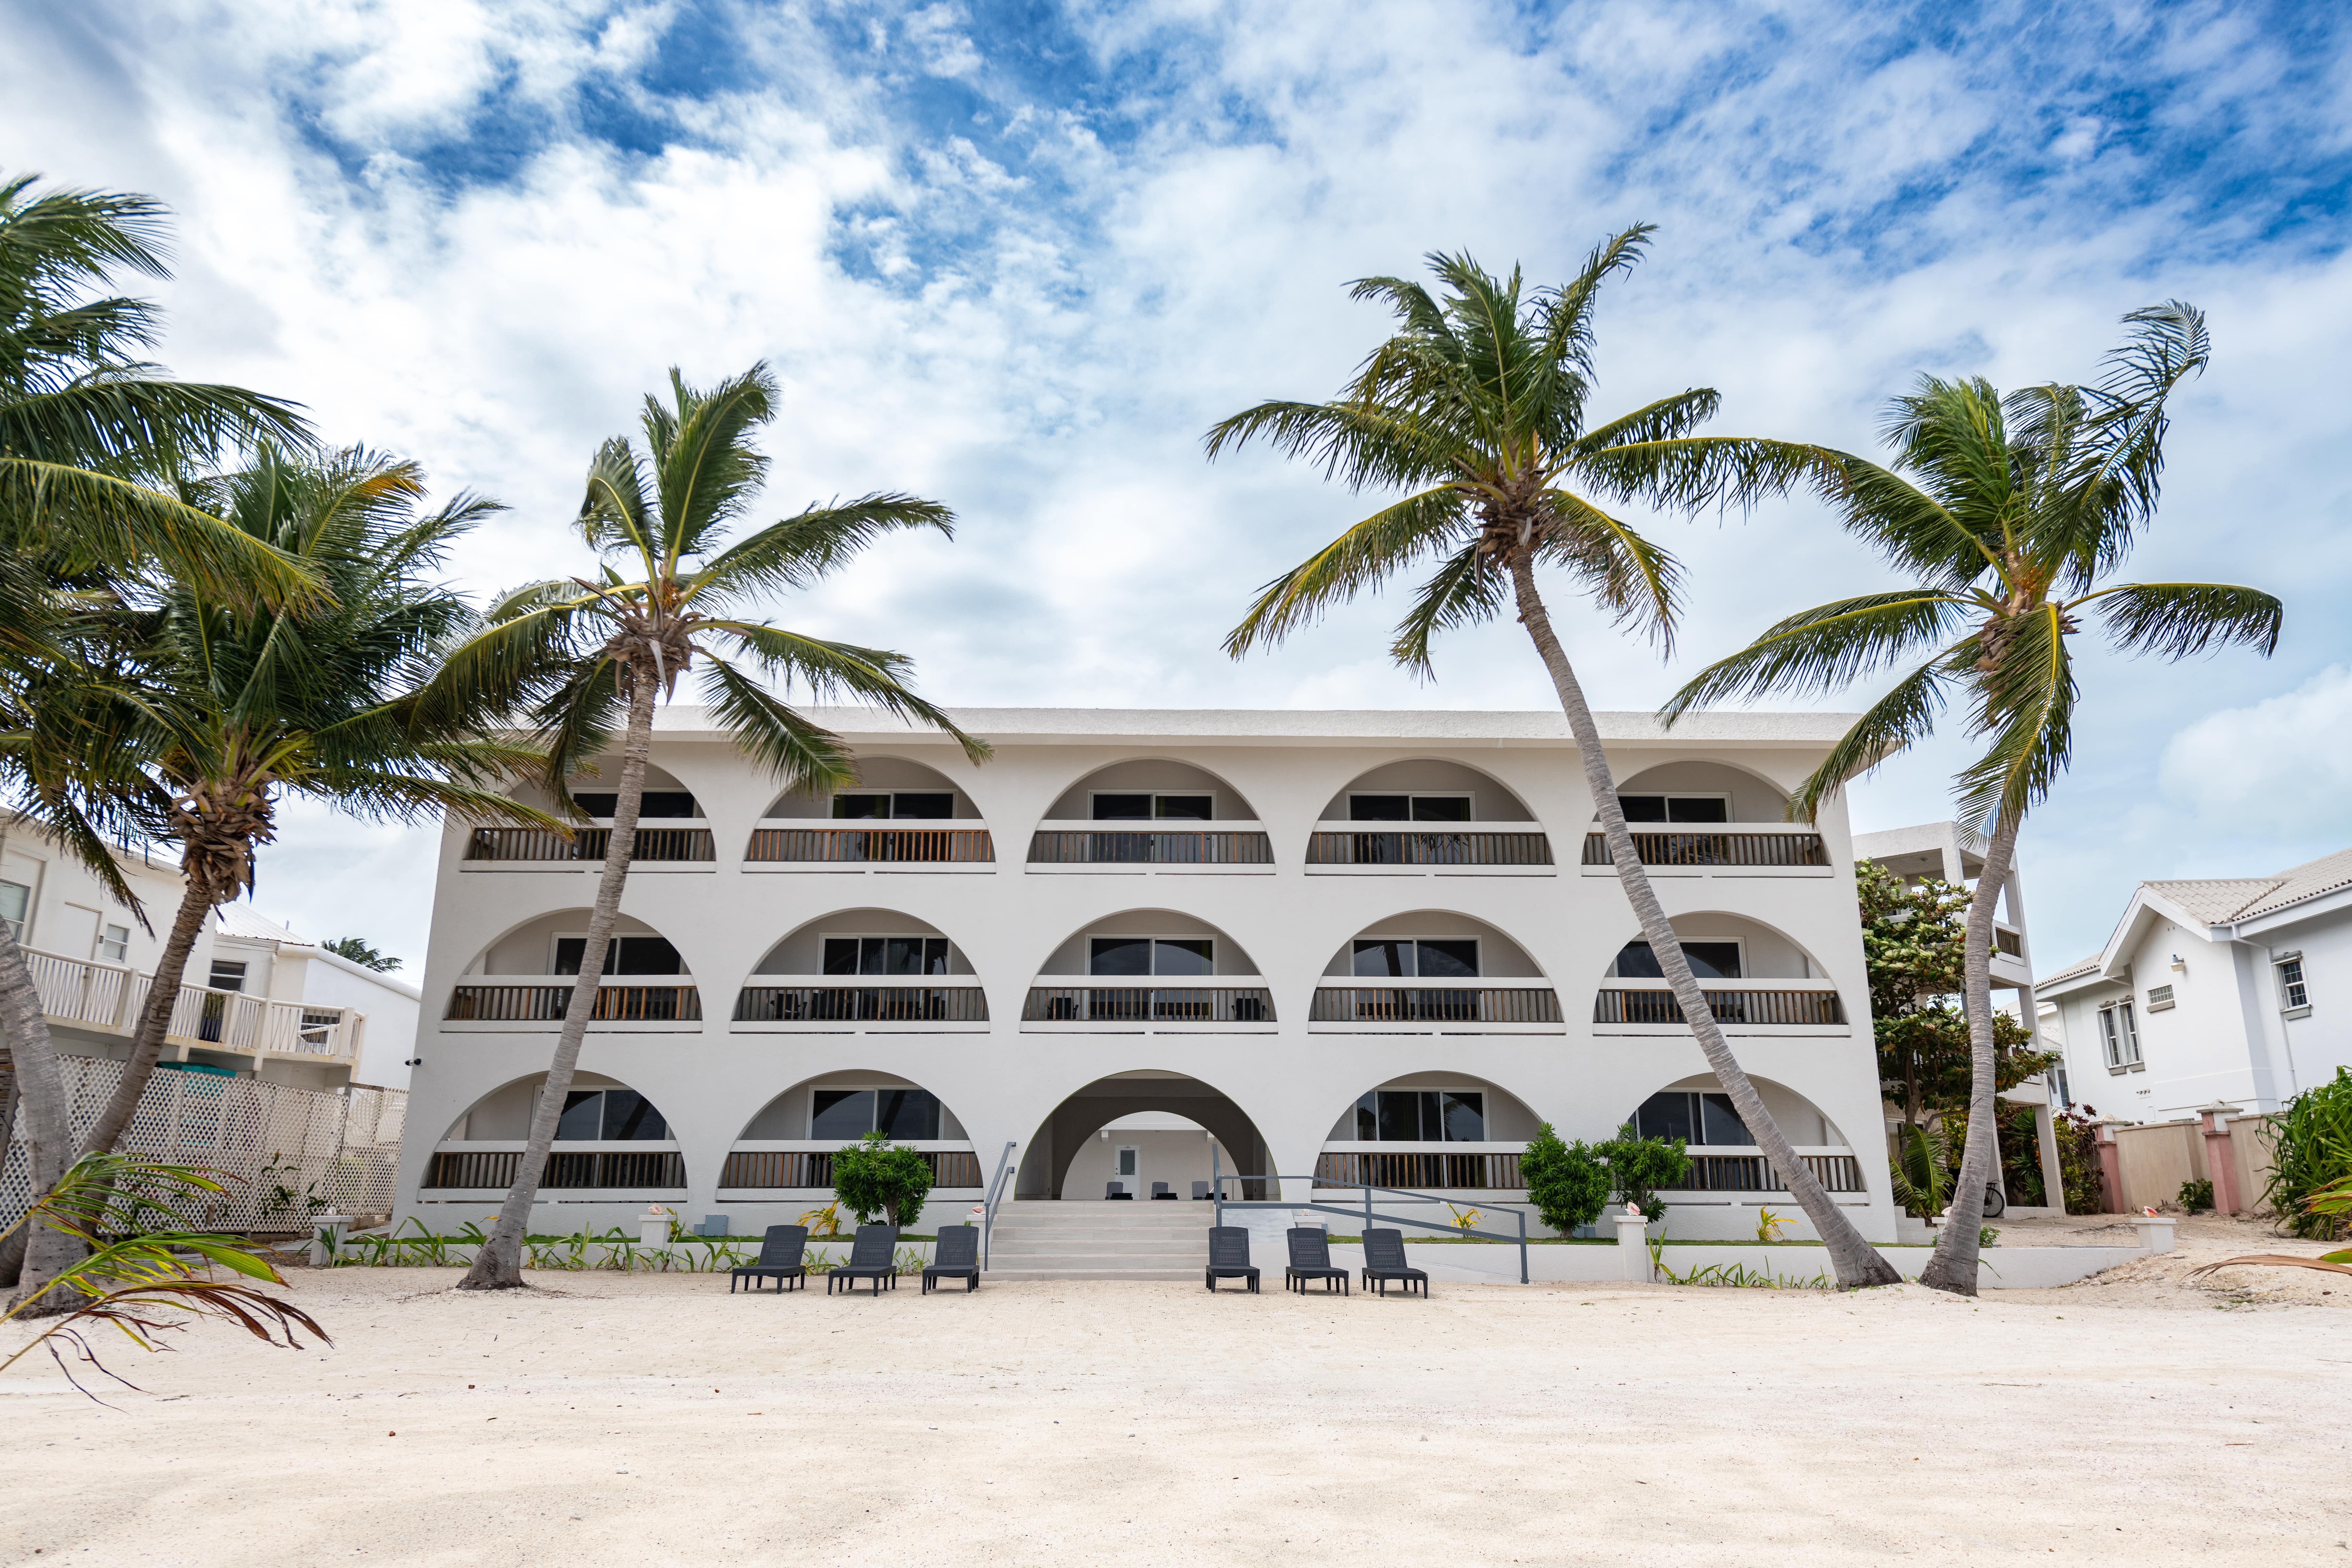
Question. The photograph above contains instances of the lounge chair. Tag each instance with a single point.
(957, 1256)
(1115, 1190)
(1162, 1189)
(1310, 1258)
(780, 1259)
(873, 1256)
(1200, 1192)
(1229, 1255)
(1385, 1262)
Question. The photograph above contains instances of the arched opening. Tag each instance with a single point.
(1429, 814)
(864, 966)
(611, 1142)
(1724, 1155)
(1754, 977)
(1149, 790)
(1425, 789)
(1150, 968)
(1446, 1131)
(1700, 791)
(1433, 968)
(1143, 1135)
(786, 1151)
(669, 822)
(888, 789)
(516, 978)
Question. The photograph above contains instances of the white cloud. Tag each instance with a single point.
(2286, 759)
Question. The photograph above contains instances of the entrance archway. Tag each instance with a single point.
(1173, 1128)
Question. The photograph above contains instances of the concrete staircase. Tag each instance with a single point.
(1045, 1240)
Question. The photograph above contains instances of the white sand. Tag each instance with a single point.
(605, 1419)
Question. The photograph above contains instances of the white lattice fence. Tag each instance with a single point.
(293, 1152)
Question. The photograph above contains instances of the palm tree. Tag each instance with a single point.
(2007, 513)
(1477, 406)
(581, 657)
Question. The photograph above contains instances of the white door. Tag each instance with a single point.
(1127, 1169)
(74, 932)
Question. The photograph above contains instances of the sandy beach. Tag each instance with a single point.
(609, 1419)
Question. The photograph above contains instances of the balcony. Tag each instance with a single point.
(682, 848)
(537, 1004)
(784, 845)
(1750, 1008)
(1161, 1004)
(1470, 850)
(1749, 1172)
(1735, 849)
(1435, 1006)
(621, 1170)
(108, 998)
(1235, 849)
(827, 1004)
(755, 1170)
(1443, 1167)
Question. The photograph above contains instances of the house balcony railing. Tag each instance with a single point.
(833, 1001)
(1731, 846)
(1447, 1170)
(111, 997)
(487, 1166)
(1754, 1002)
(791, 1166)
(1837, 1170)
(803, 843)
(619, 1000)
(654, 846)
(1173, 848)
(1418, 1004)
(1429, 849)
(1206, 1002)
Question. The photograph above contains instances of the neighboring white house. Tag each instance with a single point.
(1314, 948)
(2213, 991)
(257, 958)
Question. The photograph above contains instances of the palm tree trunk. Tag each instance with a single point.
(498, 1265)
(1954, 1266)
(48, 1131)
(1856, 1261)
(155, 1019)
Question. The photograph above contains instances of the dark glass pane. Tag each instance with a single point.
(927, 807)
(841, 955)
(1466, 1118)
(907, 1113)
(1433, 1121)
(860, 805)
(1120, 955)
(1184, 807)
(1644, 807)
(1636, 961)
(1697, 811)
(842, 1113)
(629, 1116)
(1122, 808)
(1383, 958)
(664, 803)
(1720, 1123)
(583, 1116)
(595, 803)
(1450, 958)
(935, 955)
(568, 951)
(1367, 1118)
(901, 955)
(643, 955)
(1665, 1115)
(1713, 960)
(1400, 1116)
(1379, 808)
(1183, 955)
(1441, 808)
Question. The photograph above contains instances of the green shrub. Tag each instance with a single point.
(2078, 1162)
(874, 1176)
(2311, 1149)
(1639, 1167)
(2196, 1198)
(1566, 1183)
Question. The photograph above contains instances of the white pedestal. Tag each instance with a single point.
(1633, 1246)
(323, 1226)
(653, 1230)
(2155, 1232)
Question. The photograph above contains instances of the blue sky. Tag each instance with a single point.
(1019, 256)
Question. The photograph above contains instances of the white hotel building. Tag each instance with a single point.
(1310, 946)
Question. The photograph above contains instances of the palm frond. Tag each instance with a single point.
(1360, 558)
(1891, 725)
(1822, 650)
(1465, 591)
(2178, 620)
(1359, 445)
(805, 756)
(707, 471)
(2027, 707)
(1635, 581)
(797, 552)
(834, 669)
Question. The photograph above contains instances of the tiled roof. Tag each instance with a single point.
(2070, 971)
(241, 920)
(2221, 899)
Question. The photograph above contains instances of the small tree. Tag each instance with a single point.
(1565, 1181)
(1639, 1167)
(360, 953)
(874, 1176)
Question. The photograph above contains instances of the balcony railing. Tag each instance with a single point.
(1449, 1172)
(1754, 1174)
(1423, 847)
(2009, 941)
(112, 998)
(1755, 846)
(861, 1004)
(859, 846)
(84, 993)
(1652, 1004)
(813, 1168)
(1147, 1005)
(478, 1169)
(545, 1002)
(653, 844)
(1152, 848)
(1435, 1005)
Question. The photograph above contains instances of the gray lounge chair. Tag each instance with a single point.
(1229, 1256)
(1385, 1262)
(1310, 1258)
(1162, 1189)
(780, 1259)
(1115, 1190)
(1200, 1192)
(873, 1256)
(957, 1256)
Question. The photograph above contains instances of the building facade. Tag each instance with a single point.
(257, 957)
(1310, 949)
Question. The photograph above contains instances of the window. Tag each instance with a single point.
(2119, 1034)
(1407, 808)
(1422, 1116)
(609, 1115)
(2159, 999)
(1707, 960)
(623, 955)
(912, 1114)
(2293, 992)
(1149, 807)
(1418, 957)
(1693, 1117)
(651, 802)
(1675, 807)
(228, 975)
(114, 943)
(1151, 955)
(14, 900)
(922, 805)
(885, 955)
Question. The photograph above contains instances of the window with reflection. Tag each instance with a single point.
(921, 805)
(1417, 957)
(609, 1115)
(1151, 955)
(653, 803)
(848, 1114)
(1707, 960)
(623, 955)
(1137, 806)
(1422, 1116)
(1407, 808)
(1693, 1116)
(1675, 807)
(885, 955)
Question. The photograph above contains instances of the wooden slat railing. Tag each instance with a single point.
(850, 845)
(813, 1168)
(74, 989)
(475, 1170)
(668, 844)
(1754, 1174)
(1448, 1172)
(1653, 1005)
(1147, 1005)
(1703, 849)
(1426, 847)
(1415, 1004)
(1154, 847)
(545, 1004)
(861, 1004)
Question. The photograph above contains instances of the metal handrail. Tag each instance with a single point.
(988, 1203)
(1217, 1191)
